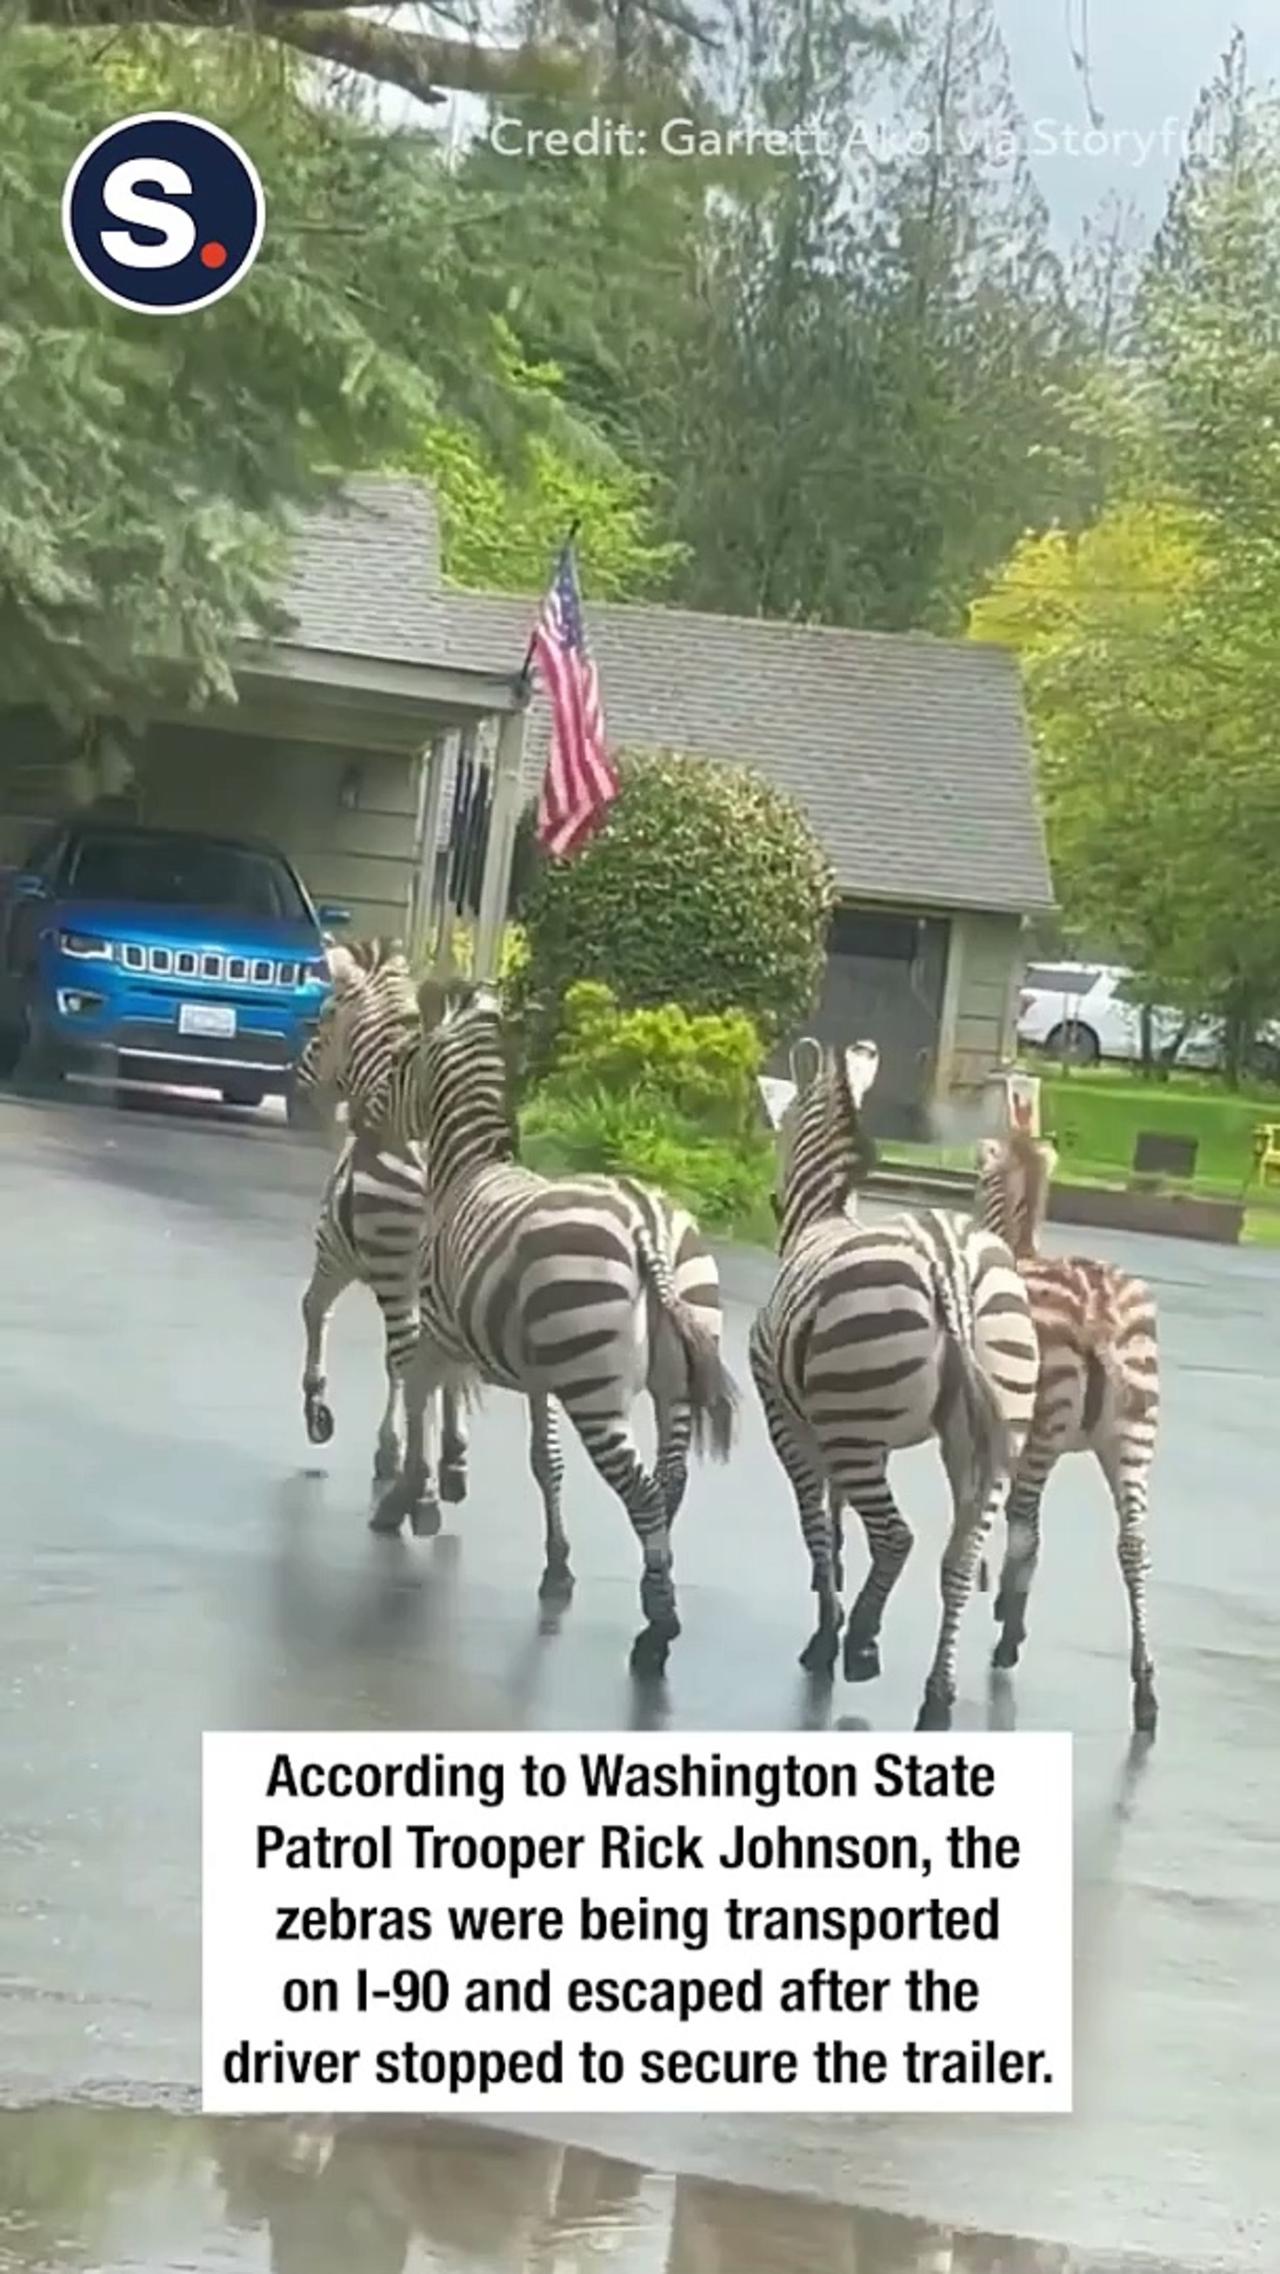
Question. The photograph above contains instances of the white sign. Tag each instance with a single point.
(517, 1924)
(208, 1019)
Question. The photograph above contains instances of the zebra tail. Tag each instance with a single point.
(987, 1426)
(988, 1429)
(713, 1393)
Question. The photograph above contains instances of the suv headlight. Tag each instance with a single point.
(83, 944)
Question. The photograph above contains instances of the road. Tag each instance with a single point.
(174, 1557)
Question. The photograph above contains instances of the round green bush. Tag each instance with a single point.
(705, 887)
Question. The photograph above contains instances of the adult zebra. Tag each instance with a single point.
(372, 1222)
(875, 1338)
(1099, 1392)
(557, 1288)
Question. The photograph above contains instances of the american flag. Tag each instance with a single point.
(580, 782)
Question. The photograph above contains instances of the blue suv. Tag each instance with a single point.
(166, 956)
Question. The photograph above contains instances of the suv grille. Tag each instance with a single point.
(211, 964)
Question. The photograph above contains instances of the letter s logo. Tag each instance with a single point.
(176, 229)
(191, 205)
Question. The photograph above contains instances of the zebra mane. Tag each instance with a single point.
(465, 1106)
(824, 1152)
(1016, 1171)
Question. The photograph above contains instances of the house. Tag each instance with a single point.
(910, 755)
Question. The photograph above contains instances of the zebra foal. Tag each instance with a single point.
(371, 1226)
(556, 1288)
(1099, 1393)
(873, 1339)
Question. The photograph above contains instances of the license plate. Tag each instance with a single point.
(207, 1019)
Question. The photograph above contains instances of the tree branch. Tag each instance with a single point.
(426, 67)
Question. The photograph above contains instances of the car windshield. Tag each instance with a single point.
(185, 872)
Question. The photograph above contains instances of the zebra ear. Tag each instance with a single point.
(800, 1050)
(344, 967)
(862, 1064)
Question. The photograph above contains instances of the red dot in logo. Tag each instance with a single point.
(213, 254)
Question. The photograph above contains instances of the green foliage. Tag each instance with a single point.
(1148, 645)
(503, 522)
(702, 1065)
(726, 1183)
(146, 468)
(705, 886)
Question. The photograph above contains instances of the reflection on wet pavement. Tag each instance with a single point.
(102, 2191)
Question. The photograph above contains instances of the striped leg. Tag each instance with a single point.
(1125, 1468)
(412, 1493)
(1022, 1551)
(863, 1481)
(398, 1305)
(453, 1447)
(611, 1448)
(970, 1526)
(329, 1279)
(547, 1462)
(815, 1513)
(675, 1434)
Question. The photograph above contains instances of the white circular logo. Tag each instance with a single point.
(163, 213)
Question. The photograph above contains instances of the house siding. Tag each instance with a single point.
(982, 1002)
(197, 778)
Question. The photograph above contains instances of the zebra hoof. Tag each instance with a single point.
(819, 1653)
(319, 1419)
(390, 1512)
(556, 1584)
(861, 1660)
(649, 1652)
(1145, 1709)
(386, 1464)
(1005, 1654)
(425, 1518)
(453, 1481)
(935, 1713)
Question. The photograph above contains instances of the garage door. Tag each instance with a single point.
(884, 979)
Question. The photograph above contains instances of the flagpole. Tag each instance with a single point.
(526, 667)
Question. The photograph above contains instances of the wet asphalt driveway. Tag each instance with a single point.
(173, 1556)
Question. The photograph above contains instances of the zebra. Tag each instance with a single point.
(372, 1223)
(380, 1074)
(875, 1338)
(557, 1288)
(1099, 1392)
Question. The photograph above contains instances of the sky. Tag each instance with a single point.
(1148, 60)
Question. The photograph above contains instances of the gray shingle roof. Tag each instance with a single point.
(365, 577)
(910, 754)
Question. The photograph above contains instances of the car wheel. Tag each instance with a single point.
(42, 1060)
(243, 1093)
(1074, 1044)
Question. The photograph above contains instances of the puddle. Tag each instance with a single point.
(112, 2191)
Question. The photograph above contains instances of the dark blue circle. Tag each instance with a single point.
(223, 204)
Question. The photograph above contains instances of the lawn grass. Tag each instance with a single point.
(1096, 1116)
(1096, 1119)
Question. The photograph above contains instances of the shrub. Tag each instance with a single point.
(630, 1133)
(703, 1065)
(705, 885)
